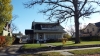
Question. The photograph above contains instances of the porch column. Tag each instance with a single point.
(44, 38)
(37, 38)
(62, 35)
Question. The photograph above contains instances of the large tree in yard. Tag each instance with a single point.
(5, 13)
(65, 9)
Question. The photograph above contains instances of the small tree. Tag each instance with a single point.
(71, 30)
(66, 36)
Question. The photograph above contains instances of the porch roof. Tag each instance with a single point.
(29, 31)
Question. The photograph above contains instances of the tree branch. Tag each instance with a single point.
(83, 6)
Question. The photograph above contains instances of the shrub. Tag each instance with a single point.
(6, 41)
(2, 41)
(67, 36)
(9, 40)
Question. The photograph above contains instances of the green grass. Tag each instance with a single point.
(71, 43)
(45, 54)
(85, 52)
(31, 46)
(68, 43)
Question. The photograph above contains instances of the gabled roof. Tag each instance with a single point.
(97, 24)
(44, 22)
(37, 24)
(39, 29)
(41, 23)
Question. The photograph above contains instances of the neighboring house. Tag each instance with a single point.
(42, 31)
(92, 29)
(24, 39)
(7, 30)
(17, 37)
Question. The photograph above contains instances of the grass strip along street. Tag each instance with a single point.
(86, 52)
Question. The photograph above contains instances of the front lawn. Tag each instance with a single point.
(86, 52)
(71, 43)
(32, 46)
(44, 54)
(68, 43)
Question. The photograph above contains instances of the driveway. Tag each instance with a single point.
(11, 51)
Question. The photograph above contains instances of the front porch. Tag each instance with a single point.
(45, 37)
(40, 37)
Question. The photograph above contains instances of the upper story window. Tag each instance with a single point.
(47, 26)
(87, 30)
(93, 29)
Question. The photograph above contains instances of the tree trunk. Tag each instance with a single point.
(76, 18)
(77, 38)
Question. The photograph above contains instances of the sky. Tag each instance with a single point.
(27, 15)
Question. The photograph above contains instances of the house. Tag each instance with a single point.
(92, 29)
(24, 39)
(7, 30)
(17, 37)
(44, 31)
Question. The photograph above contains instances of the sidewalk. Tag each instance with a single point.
(12, 51)
(65, 51)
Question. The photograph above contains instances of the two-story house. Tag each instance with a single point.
(7, 30)
(44, 31)
(92, 29)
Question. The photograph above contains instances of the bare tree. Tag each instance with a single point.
(65, 9)
(13, 26)
(71, 30)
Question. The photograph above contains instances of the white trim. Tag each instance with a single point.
(37, 38)
(44, 38)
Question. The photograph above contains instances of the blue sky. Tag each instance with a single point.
(26, 16)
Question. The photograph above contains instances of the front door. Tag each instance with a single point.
(41, 37)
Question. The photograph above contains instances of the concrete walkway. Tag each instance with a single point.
(12, 51)
(65, 51)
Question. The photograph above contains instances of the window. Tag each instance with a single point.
(8, 34)
(93, 29)
(87, 30)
